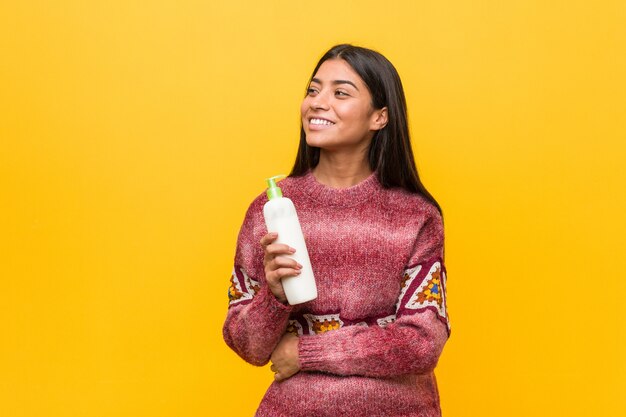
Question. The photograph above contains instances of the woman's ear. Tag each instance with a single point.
(379, 119)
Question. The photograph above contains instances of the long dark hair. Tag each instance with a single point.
(390, 153)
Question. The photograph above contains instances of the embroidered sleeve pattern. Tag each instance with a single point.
(310, 324)
(424, 288)
(242, 288)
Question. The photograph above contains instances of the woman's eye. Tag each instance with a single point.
(341, 93)
(311, 90)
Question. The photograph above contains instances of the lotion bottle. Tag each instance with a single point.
(281, 217)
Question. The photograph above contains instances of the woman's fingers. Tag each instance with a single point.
(268, 238)
(285, 262)
(286, 272)
(271, 262)
(274, 277)
(275, 249)
(277, 265)
(266, 242)
(285, 358)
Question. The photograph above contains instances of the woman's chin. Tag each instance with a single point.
(323, 146)
(334, 145)
(318, 141)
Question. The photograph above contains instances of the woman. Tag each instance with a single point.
(368, 345)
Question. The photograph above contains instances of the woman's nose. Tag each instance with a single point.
(320, 101)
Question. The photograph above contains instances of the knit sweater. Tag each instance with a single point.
(369, 344)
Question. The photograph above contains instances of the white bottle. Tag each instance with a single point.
(281, 217)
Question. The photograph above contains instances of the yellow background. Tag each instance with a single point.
(134, 134)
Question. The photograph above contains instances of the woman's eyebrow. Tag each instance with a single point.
(335, 82)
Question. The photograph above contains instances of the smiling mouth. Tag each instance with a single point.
(320, 122)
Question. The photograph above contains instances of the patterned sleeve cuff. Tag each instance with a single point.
(309, 356)
(269, 301)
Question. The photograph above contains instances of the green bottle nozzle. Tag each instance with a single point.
(273, 191)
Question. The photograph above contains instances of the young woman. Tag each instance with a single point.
(368, 345)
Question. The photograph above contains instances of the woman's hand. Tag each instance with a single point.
(277, 265)
(285, 358)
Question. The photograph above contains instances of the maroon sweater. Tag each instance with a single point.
(369, 343)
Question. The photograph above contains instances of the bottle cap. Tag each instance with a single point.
(273, 191)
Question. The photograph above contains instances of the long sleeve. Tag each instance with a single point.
(413, 340)
(256, 320)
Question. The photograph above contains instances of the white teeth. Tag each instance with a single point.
(321, 122)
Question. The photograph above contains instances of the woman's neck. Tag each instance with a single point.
(341, 172)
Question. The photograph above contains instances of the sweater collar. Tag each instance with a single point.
(339, 197)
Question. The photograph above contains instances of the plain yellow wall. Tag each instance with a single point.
(134, 134)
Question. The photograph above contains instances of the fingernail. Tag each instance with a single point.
(292, 250)
(299, 266)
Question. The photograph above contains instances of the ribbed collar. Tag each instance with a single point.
(339, 197)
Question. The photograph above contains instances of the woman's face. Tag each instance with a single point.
(337, 112)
